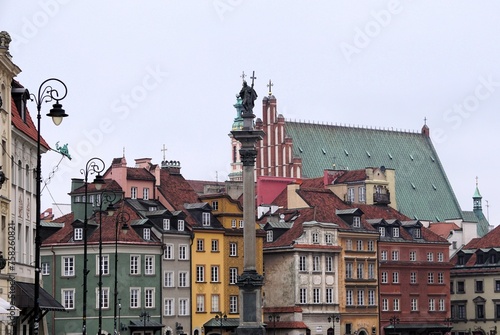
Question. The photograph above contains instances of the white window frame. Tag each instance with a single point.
(135, 297)
(78, 234)
(329, 295)
(149, 265)
(200, 303)
(45, 268)
(180, 225)
(145, 193)
(183, 252)
(168, 279)
(356, 222)
(133, 192)
(68, 266)
(395, 231)
(214, 274)
(200, 273)
(384, 277)
(135, 265)
(413, 256)
(269, 236)
(105, 297)
(166, 224)
(302, 295)
(383, 255)
(395, 277)
(68, 298)
(205, 219)
(168, 252)
(146, 234)
(233, 249)
(233, 276)
(233, 304)
(105, 264)
(183, 279)
(362, 194)
(183, 306)
(149, 297)
(169, 307)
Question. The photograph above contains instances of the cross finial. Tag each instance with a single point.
(123, 152)
(270, 85)
(425, 120)
(253, 77)
(243, 75)
(477, 180)
(164, 150)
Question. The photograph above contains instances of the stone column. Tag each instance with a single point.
(250, 282)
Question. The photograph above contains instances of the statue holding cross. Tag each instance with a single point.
(248, 95)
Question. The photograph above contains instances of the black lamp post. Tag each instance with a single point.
(394, 320)
(46, 93)
(121, 219)
(274, 318)
(145, 318)
(93, 166)
(334, 318)
(119, 315)
(220, 316)
(108, 198)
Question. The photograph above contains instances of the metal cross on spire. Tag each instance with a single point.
(243, 75)
(253, 77)
(270, 85)
(164, 150)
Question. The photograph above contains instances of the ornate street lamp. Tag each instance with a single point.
(334, 318)
(93, 166)
(394, 320)
(46, 93)
(274, 318)
(220, 316)
(121, 219)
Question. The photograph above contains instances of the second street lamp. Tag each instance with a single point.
(334, 318)
(47, 93)
(221, 316)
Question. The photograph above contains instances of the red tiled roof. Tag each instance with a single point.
(199, 185)
(443, 229)
(28, 127)
(176, 190)
(139, 174)
(490, 240)
(110, 185)
(350, 176)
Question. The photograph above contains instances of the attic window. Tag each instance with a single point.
(356, 222)
(166, 224)
(152, 208)
(78, 234)
(146, 234)
(180, 225)
(205, 219)
(269, 236)
(346, 153)
(418, 233)
(323, 150)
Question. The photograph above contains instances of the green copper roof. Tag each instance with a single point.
(422, 189)
(477, 194)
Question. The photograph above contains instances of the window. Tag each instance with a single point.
(104, 266)
(479, 286)
(349, 300)
(497, 285)
(241, 223)
(215, 303)
(454, 245)
(430, 257)
(68, 267)
(361, 297)
(233, 275)
(371, 245)
(497, 309)
(442, 305)
(316, 295)
(215, 205)
(440, 278)
(328, 238)
(104, 297)
(215, 245)
(269, 236)
(383, 255)
(168, 279)
(183, 306)
(414, 304)
(233, 223)
(68, 298)
(360, 270)
(168, 252)
(303, 296)
(166, 224)
(200, 245)
(315, 238)
(395, 255)
(350, 194)
(413, 277)
(385, 304)
(78, 234)
(395, 277)
(329, 295)
(348, 270)
(418, 233)
(233, 304)
(316, 264)
(430, 278)
(328, 264)
(233, 249)
(371, 298)
(168, 307)
(146, 234)
(348, 244)
(440, 257)
(460, 287)
(205, 219)
(413, 256)
(133, 192)
(302, 263)
(145, 193)
(395, 232)
(149, 298)
(383, 277)
(200, 303)
(371, 271)
(45, 269)
(135, 264)
(183, 279)
(183, 252)
(359, 245)
(395, 305)
(200, 273)
(180, 225)
(149, 265)
(214, 274)
(381, 230)
(432, 305)
(362, 194)
(356, 222)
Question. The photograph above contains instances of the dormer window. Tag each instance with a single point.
(381, 230)
(328, 238)
(315, 238)
(166, 224)
(395, 232)
(152, 208)
(205, 219)
(269, 236)
(418, 233)
(356, 222)
(146, 234)
(215, 205)
(180, 225)
(461, 260)
(78, 234)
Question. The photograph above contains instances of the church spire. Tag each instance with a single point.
(476, 198)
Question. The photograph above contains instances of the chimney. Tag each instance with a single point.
(143, 163)
(173, 167)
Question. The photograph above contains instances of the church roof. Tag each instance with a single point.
(422, 189)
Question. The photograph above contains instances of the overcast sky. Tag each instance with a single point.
(143, 74)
